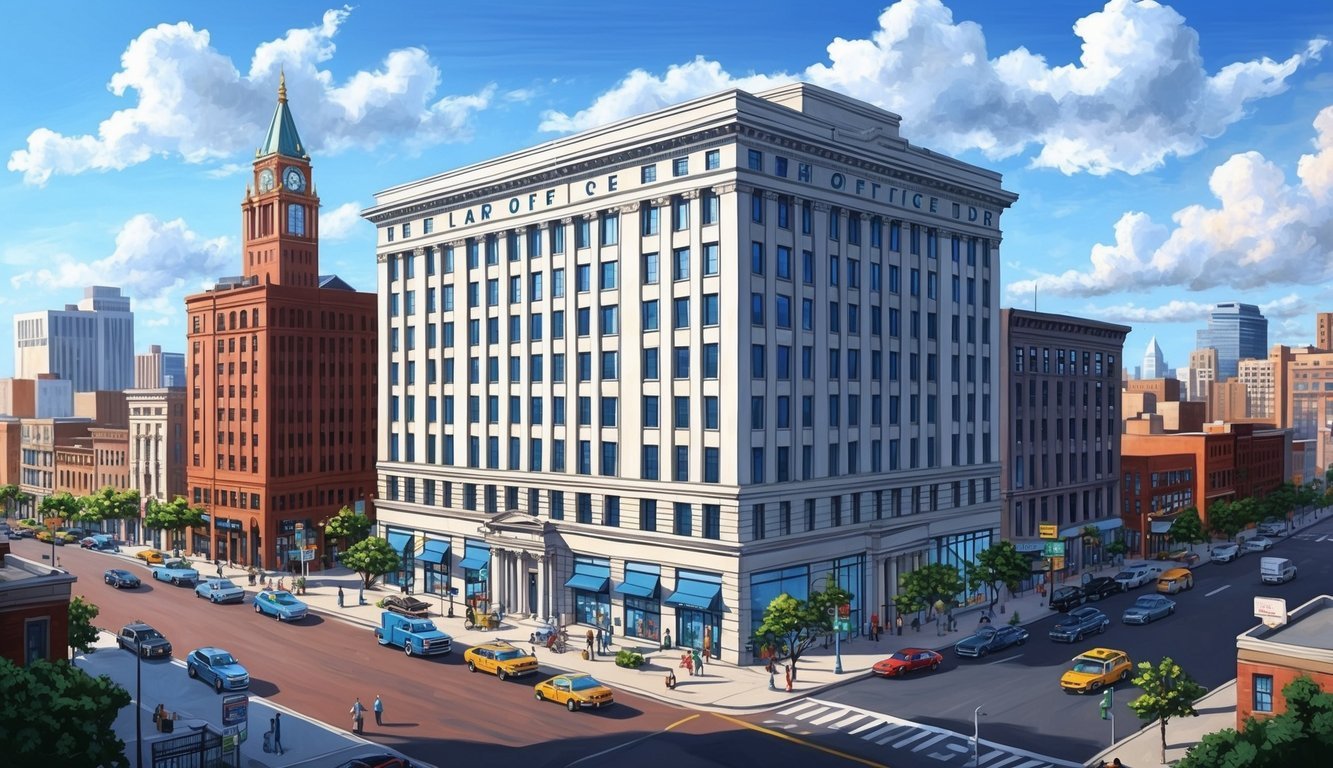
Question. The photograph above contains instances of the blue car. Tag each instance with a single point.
(177, 572)
(280, 604)
(217, 668)
(220, 591)
(1148, 608)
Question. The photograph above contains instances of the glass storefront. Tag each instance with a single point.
(641, 591)
(800, 580)
(698, 602)
(401, 543)
(476, 568)
(435, 566)
(591, 584)
(960, 551)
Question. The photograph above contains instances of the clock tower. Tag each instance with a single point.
(280, 213)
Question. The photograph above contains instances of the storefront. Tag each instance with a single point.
(201, 543)
(960, 551)
(435, 565)
(799, 581)
(400, 542)
(698, 602)
(642, 594)
(476, 568)
(591, 584)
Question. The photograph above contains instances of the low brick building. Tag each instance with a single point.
(1267, 659)
(34, 609)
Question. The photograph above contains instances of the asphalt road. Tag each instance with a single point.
(1018, 689)
(435, 710)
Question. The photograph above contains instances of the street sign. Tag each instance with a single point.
(1272, 611)
(843, 625)
(235, 709)
(1049, 530)
(1057, 563)
(1054, 549)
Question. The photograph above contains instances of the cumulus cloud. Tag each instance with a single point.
(194, 103)
(1264, 231)
(1138, 94)
(341, 222)
(1180, 311)
(154, 262)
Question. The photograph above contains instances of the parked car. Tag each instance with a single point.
(121, 578)
(575, 691)
(1136, 575)
(281, 605)
(177, 572)
(220, 591)
(217, 668)
(142, 639)
(907, 660)
(1079, 623)
(1225, 553)
(376, 761)
(414, 636)
(151, 556)
(989, 640)
(1096, 668)
(501, 659)
(1147, 609)
(1258, 544)
(1065, 598)
(22, 532)
(99, 541)
(1175, 580)
(406, 605)
(1272, 527)
(1101, 586)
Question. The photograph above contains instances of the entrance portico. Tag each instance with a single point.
(521, 570)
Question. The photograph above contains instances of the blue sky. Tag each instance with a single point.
(1167, 157)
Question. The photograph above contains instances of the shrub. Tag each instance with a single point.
(1014, 620)
(629, 659)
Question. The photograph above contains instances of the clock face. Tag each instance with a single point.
(294, 179)
(265, 180)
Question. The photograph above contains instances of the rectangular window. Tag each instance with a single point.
(648, 514)
(680, 166)
(650, 364)
(680, 214)
(648, 174)
(680, 313)
(683, 522)
(757, 258)
(710, 207)
(709, 314)
(1263, 693)
(712, 160)
(711, 260)
(680, 264)
(755, 159)
(681, 409)
(608, 276)
(710, 361)
(650, 469)
(650, 269)
(712, 464)
(650, 319)
(682, 467)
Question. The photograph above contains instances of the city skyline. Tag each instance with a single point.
(1092, 233)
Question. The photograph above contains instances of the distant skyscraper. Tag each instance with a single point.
(1154, 363)
(159, 369)
(1202, 373)
(90, 343)
(1238, 332)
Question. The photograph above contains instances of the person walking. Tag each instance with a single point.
(708, 642)
(601, 640)
(358, 715)
(340, 597)
(277, 732)
(592, 651)
(698, 663)
(378, 706)
(219, 564)
(874, 627)
(898, 622)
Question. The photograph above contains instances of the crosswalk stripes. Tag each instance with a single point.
(939, 745)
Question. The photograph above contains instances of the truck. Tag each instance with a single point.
(1276, 570)
(417, 637)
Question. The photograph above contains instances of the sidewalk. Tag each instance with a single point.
(1143, 748)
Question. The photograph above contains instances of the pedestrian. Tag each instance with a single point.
(361, 595)
(698, 663)
(340, 597)
(950, 621)
(601, 640)
(670, 679)
(708, 642)
(358, 715)
(874, 627)
(592, 650)
(378, 706)
(666, 640)
(500, 612)
(916, 623)
(277, 732)
(898, 622)
(219, 568)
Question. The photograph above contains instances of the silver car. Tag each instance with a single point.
(1225, 553)
(1147, 609)
(1258, 544)
(220, 591)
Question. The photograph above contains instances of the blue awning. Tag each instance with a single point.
(476, 559)
(589, 582)
(399, 541)
(703, 595)
(434, 552)
(639, 584)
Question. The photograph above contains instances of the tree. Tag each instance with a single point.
(82, 631)
(1168, 691)
(1187, 528)
(62, 505)
(347, 525)
(926, 586)
(371, 558)
(790, 626)
(107, 504)
(1298, 736)
(1227, 518)
(175, 516)
(57, 714)
(1001, 563)
(8, 495)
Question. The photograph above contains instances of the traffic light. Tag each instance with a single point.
(1108, 699)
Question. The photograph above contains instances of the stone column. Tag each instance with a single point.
(542, 605)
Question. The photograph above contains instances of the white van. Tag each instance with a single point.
(1276, 570)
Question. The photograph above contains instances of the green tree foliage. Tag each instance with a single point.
(107, 504)
(62, 505)
(1001, 563)
(1187, 528)
(790, 626)
(9, 495)
(82, 631)
(927, 585)
(1168, 691)
(347, 525)
(175, 516)
(1227, 518)
(371, 558)
(1301, 735)
(56, 714)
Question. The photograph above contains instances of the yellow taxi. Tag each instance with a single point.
(151, 556)
(575, 691)
(1096, 668)
(1175, 580)
(500, 659)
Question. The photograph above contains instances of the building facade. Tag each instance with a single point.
(156, 369)
(1202, 374)
(90, 343)
(1268, 658)
(34, 609)
(156, 451)
(43, 397)
(1259, 388)
(1237, 331)
(38, 441)
(663, 371)
(281, 400)
(1323, 326)
(1059, 430)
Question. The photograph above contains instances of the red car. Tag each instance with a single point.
(907, 660)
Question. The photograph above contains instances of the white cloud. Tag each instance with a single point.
(193, 102)
(341, 222)
(1263, 232)
(1137, 95)
(1179, 311)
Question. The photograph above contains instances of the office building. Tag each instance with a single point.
(281, 395)
(90, 343)
(1202, 374)
(43, 397)
(667, 369)
(1237, 331)
(156, 369)
(156, 451)
(1154, 362)
(1259, 381)
(1323, 326)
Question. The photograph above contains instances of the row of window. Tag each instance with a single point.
(1091, 362)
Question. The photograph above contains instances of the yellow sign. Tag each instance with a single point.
(1057, 563)
(1049, 530)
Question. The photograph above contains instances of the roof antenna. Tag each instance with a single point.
(1034, 295)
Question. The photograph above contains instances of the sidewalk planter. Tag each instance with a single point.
(629, 659)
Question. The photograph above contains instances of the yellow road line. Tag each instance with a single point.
(680, 722)
(802, 742)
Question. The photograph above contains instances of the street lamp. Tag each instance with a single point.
(837, 635)
(138, 707)
(976, 735)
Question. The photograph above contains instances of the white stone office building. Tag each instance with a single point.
(664, 370)
(157, 450)
(90, 343)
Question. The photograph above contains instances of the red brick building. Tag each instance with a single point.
(1268, 659)
(282, 375)
(34, 609)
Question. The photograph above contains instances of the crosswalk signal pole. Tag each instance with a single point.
(1108, 711)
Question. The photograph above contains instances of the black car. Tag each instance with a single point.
(119, 577)
(1079, 622)
(1101, 586)
(376, 761)
(1064, 598)
(143, 640)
